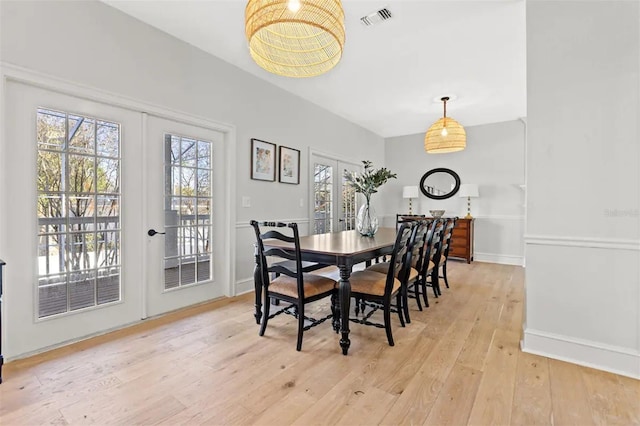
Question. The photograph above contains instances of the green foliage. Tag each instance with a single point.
(368, 182)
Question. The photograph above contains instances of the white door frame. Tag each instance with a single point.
(10, 72)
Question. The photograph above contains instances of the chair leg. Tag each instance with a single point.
(444, 274)
(423, 284)
(434, 282)
(387, 323)
(358, 306)
(424, 292)
(265, 315)
(300, 325)
(400, 309)
(416, 290)
(405, 304)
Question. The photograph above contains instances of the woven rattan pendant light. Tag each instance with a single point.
(295, 38)
(445, 135)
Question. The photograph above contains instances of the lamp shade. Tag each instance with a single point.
(295, 38)
(410, 192)
(438, 142)
(468, 190)
(445, 135)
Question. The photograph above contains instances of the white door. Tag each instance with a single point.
(334, 202)
(70, 223)
(185, 259)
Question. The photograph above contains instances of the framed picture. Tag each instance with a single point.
(263, 160)
(289, 165)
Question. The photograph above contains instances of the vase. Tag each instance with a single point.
(367, 221)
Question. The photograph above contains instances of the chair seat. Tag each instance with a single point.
(431, 266)
(313, 285)
(383, 267)
(371, 282)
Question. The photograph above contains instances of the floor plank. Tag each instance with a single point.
(532, 397)
(569, 396)
(494, 399)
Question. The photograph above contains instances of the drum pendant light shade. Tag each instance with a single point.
(445, 135)
(295, 38)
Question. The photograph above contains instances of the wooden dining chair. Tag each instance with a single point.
(421, 259)
(377, 290)
(282, 277)
(418, 231)
(445, 255)
(440, 257)
(428, 264)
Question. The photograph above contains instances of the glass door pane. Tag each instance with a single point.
(323, 197)
(348, 208)
(78, 209)
(187, 211)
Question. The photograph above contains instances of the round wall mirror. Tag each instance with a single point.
(440, 184)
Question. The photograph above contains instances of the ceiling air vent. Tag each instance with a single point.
(376, 17)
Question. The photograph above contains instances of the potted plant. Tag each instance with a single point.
(367, 184)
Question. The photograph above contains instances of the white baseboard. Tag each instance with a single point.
(582, 352)
(244, 286)
(504, 259)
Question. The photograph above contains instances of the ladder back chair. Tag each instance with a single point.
(419, 231)
(439, 257)
(429, 261)
(283, 277)
(377, 290)
(419, 259)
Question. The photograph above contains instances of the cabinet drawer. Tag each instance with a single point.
(460, 233)
(462, 224)
(458, 251)
(459, 242)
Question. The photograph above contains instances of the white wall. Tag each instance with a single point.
(95, 45)
(583, 162)
(493, 159)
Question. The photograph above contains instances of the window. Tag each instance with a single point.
(187, 204)
(323, 194)
(348, 204)
(78, 210)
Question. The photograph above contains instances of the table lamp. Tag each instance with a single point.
(468, 190)
(410, 192)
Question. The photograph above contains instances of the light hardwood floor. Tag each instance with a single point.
(458, 362)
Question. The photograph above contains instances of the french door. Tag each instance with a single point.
(70, 177)
(82, 184)
(334, 202)
(185, 236)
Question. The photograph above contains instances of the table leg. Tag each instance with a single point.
(257, 283)
(345, 301)
(335, 310)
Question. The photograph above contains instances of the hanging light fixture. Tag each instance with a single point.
(295, 38)
(445, 135)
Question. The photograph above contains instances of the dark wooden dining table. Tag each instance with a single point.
(342, 249)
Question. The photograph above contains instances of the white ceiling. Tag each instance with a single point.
(391, 75)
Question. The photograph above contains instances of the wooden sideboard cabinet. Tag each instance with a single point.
(462, 240)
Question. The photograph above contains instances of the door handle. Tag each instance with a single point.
(152, 232)
(340, 220)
